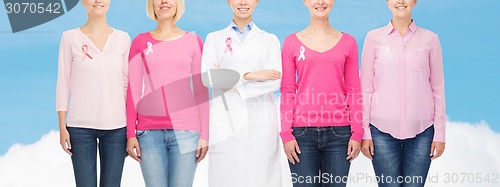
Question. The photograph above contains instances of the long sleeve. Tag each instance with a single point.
(63, 74)
(200, 91)
(252, 89)
(437, 86)
(288, 93)
(134, 90)
(208, 59)
(367, 87)
(353, 92)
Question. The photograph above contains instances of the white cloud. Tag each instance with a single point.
(472, 149)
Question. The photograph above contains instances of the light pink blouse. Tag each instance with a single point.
(402, 81)
(91, 84)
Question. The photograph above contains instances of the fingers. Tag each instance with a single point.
(350, 152)
(433, 148)
(198, 150)
(269, 75)
(138, 150)
(295, 151)
(135, 152)
(295, 157)
(291, 150)
(203, 153)
(289, 157)
(356, 154)
(66, 146)
(275, 75)
(367, 152)
(367, 149)
(353, 150)
(134, 155)
(372, 149)
(297, 148)
(439, 153)
(436, 151)
(292, 156)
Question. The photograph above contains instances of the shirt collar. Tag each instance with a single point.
(237, 29)
(389, 29)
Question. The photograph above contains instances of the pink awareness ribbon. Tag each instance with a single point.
(85, 50)
(229, 42)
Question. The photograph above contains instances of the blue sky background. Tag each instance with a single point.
(468, 30)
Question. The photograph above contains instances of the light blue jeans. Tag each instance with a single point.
(168, 157)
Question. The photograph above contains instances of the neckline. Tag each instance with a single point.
(328, 50)
(172, 40)
(92, 43)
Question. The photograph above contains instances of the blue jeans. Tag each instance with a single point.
(323, 157)
(111, 145)
(401, 163)
(168, 157)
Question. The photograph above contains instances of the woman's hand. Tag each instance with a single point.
(291, 150)
(64, 140)
(353, 150)
(262, 75)
(202, 150)
(133, 149)
(367, 149)
(437, 149)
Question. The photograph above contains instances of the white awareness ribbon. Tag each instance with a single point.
(302, 53)
(150, 48)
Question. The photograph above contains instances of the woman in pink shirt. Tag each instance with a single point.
(167, 104)
(320, 100)
(91, 85)
(404, 105)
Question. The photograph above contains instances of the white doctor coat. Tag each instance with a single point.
(244, 139)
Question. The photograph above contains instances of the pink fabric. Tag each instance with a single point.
(168, 100)
(91, 84)
(403, 82)
(320, 89)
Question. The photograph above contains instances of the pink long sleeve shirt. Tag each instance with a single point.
(91, 84)
(320, 89)
(403, 82)
(165, 87)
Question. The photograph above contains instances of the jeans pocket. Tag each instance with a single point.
(297, 132)
(341, 132)
(141, 133)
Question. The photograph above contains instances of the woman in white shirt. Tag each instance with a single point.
(244, 121)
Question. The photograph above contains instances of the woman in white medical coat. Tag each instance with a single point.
(244, 135)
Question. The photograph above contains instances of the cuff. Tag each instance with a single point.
(287, 136)
(357, 136)
(367, 134)
(130, 135)
(204, 136)
(130, 132)
(439, 136)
